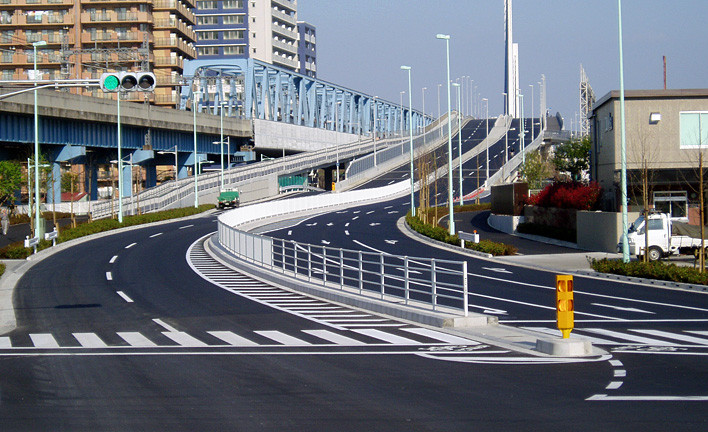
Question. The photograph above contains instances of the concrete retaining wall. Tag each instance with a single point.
(600, 231)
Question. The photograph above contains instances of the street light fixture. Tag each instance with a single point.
(36, 141)
(410, 126)
(446, 38)
(459, 140)
(196, 165)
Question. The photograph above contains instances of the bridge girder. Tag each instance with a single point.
(253, 89)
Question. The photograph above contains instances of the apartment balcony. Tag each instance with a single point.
(171, 62)
(115, 17)
(169, 80)
(285, 47)
(176, 43)
(282, 16)
(285, 4)
(175, 24)
(49, 4)
(175, 5)
(285, 62)
(38, 20)
(284, 31)
(114, 37)
(114, 3)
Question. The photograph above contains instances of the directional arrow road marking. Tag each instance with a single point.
(626, 309)
(393, 242)
(497, 269)
(374, 224)
(325, 242)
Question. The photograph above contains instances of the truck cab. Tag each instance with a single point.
(659, 228)
(228, 198)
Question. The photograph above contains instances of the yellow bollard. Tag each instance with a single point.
(564, 304)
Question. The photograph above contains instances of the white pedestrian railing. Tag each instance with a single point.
(424, 280)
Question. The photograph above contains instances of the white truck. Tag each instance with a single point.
(666, 237)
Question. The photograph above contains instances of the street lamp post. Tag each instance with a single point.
(486, 102)
(36, 141)
(196, 163)
(221, 142)
(410, 127)
(376, 109)
(532, 134)
(506, 134)
(446, 38)
(400, 126)
(623, 144)
(523, 131)
(459, 140)
(439, 114)
(424, 89)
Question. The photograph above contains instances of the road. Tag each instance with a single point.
(142, 330)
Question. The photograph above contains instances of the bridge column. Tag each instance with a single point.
(91, 184)
(328, 176)
(182, 165)
(61, 154)
(150, 175)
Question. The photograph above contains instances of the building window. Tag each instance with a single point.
(234, 50)
(207, 20)
(233, 19)
(208, 4)
(233, 4)
(208, 35)
(233, 34)
(207, 51)
(694, 129)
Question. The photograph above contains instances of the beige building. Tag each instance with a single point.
(666, 132)
(85, 38)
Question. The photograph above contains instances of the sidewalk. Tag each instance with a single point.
(18, 232)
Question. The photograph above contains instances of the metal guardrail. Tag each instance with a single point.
(428, 280)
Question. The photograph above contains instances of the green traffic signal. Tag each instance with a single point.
(111, 82)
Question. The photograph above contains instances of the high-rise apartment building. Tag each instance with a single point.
(265, 30)
(85, 38)
(307, 49)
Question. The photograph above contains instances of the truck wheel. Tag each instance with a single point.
(655, 253)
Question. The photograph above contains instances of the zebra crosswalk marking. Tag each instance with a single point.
(136, 339)
(89, 340)
(282, 338)
(44, 340)
(386, 337)
(232, 338)
(334, 337)
(185, 340)
(680, 337)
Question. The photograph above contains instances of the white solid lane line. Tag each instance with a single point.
(124, 296)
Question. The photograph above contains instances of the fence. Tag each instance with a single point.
(427, 280)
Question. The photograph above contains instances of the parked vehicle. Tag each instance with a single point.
(228, 198)
(666, 237)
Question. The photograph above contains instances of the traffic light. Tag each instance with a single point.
(112, 82)
(564, 304)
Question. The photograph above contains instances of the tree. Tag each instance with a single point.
(573, 157)
(535, 169)
(10, 179)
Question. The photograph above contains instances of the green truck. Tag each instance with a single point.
(228, 198)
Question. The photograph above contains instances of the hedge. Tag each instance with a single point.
(442, 234)
(19, 251)
(651, 270)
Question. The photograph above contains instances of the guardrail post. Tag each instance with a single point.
(383, 276)
(309, 263)
(433, 282)
(324, 265)
(405, 278)
(341, 268)
(464, 287)
(361, 274)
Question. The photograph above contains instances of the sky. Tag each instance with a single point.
(362, 44)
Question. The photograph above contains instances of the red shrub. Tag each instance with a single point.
(573, 195)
